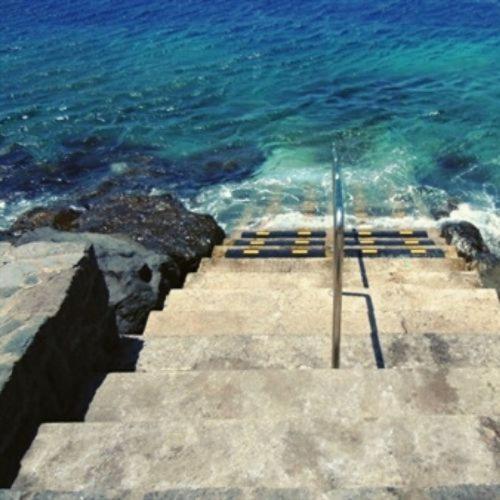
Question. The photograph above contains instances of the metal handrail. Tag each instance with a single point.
(338, 260)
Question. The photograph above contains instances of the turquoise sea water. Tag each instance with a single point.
(236, 105)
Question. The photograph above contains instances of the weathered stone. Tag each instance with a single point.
(321, 454)
(137, 279)
(56, 328)
(160, 223)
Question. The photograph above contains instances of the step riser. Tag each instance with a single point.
(282, 281)
(305, 265)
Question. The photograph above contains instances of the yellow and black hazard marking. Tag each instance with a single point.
(267, 253)
(312, 243)
(279, 242)
(373, 233)
(392, 242)
(305, 233)
(395, 252)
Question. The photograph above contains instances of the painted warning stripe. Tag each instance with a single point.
(388, 242)
(395, 252)
(283, 234)
(354, 233)
(277, 242)
(266, 253)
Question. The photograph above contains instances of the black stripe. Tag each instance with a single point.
(266, 253)
(354, 233)
(395, 242)
(276, 242)
(283, 234)
(394, 252)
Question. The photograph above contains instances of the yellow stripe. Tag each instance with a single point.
(406, 231)
(412, 242)
(367, 242)
(304, 233)
(365, 233)
(302, 242)
(300, 251)
(257, 242)
(251, 252)
(262, 233)
(418, 250)
(370, 250)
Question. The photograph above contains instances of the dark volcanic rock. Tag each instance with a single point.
(159, 223)
(137, 279)
(56, 331)
(466, 238)
(148, 246)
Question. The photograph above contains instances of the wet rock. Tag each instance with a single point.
(56, 331)
(137, 279)
(159, 223)
(466, 238)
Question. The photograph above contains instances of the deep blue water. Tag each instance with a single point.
(236, 105)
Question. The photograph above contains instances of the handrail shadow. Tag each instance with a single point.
(374, 334)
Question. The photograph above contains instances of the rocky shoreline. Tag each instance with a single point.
(144, 246)
(71, 283)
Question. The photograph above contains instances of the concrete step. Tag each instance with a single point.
(284, 321)
(269, 394)
(221, 279)
(314, 265)
(243, 352)
(317, 301)
(455, 492)
(315, 453)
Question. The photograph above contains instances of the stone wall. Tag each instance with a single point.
(56, 330)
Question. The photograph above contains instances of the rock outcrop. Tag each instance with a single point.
(467, 240)
(137, 278)
(56, 330)
(144, 245)
(159, 223)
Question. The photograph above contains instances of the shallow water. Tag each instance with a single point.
(236, 106)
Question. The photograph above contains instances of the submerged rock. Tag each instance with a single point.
(455, 161)
(56, 331)
(137, 279)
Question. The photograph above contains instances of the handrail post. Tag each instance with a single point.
(338, 261)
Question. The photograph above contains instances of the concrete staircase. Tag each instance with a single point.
(232, 395)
